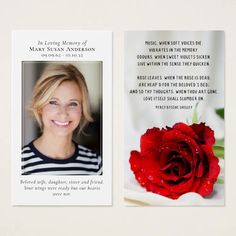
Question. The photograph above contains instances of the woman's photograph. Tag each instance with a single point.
(65, 138)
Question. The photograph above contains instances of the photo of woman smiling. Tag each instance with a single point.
(60, 105)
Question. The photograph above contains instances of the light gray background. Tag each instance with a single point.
(117, 16)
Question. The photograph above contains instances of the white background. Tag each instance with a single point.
(117, 16)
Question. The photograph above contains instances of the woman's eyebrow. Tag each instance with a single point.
(74, 99)
(71, 100)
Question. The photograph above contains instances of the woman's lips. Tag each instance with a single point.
(61, 124)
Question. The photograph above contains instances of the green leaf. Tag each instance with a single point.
(219, 181)
(220, 142)
(220, 112)
(218, 151)
(195, 115)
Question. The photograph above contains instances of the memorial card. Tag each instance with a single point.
(61, 118)
(174, 118)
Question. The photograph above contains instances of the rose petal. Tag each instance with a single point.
(174, 136)
(151, 139)
(206, 187)
(182, 187)
(205, 133)
(207, 183)
(141, 177)
(185, 129)
(157, 189)
(214, 168)
(195, 185)
(169, 176)
(135, 161)
(202, 163)
(175, 196)
(151, 168)
(200, 170)
(165, 151)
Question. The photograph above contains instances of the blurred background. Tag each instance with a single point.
(92, 71)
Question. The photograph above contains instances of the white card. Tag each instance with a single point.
(174, 81)
(53, 170)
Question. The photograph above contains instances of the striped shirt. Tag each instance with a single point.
(83, 162)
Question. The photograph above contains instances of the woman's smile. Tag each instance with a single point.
(61, 124)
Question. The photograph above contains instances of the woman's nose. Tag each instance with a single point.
(63, 111)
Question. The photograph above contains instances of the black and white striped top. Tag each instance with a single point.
(82, 162)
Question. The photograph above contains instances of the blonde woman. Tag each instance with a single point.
(60, 105)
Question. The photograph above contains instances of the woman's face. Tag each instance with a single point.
(62, 112)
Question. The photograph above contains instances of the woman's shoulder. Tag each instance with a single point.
(89, 158)
(87, 152)
(27, 148)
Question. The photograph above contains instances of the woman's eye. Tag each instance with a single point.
(53, 103)
(73, 104)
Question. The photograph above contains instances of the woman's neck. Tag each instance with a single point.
(55, 148)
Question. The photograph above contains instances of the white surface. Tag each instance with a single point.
(187, 199)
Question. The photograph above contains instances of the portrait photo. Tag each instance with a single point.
(61, 118)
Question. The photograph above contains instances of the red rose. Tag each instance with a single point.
(176, 160)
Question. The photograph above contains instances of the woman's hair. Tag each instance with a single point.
(52, 77)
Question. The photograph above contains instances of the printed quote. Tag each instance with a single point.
(61, 188)
(173, 74)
